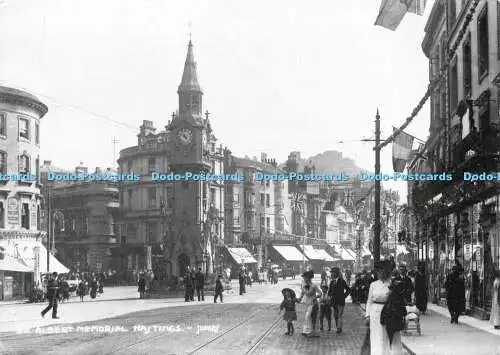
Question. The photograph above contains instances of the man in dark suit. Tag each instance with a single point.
(200, 284)
(52, 293)
(407, 284)
(455, 293)
(338, 292)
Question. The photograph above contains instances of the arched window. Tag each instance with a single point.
(24, 164)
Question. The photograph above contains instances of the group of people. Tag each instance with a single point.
(91, 284)
(455, 295)
(194, 281)
(319, 301)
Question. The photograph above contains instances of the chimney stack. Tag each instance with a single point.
(47, 162)
(263, 157)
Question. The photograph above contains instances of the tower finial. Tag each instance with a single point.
(189, 32)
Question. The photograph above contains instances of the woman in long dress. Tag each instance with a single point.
(310, 293)
(380, 343)
(495, 302)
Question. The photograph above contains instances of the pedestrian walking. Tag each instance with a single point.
(338, 292)
(309, 294)
(141, 286)
(188, 286)
(93, 288)
(325, 309)
(219, 289)
(455, 294)
(242, 281)
(348, 275)
(378, 295)
(200, 284)
(288, 304)
(407, 283)
(52, 294)
(495, 302)
(81, 290)
(421, 288)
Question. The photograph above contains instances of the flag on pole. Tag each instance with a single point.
(417, 7)
(401, 149)
(392, 12)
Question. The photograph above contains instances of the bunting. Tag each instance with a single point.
(401, 149)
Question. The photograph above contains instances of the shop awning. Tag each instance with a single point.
(241, 256)
(10, 263)
(345, 254)
(25, 249)
(317, 254)
(290, 253)
(325, 256)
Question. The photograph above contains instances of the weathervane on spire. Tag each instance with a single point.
(190, 31)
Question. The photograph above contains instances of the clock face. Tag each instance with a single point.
(185, 136)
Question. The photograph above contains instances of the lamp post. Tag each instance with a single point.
(57, 215)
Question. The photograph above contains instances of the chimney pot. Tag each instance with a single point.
(47, 162)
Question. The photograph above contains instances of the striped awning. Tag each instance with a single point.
(290, 253)
(241, 256)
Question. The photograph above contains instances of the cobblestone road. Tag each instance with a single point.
(189, 328)
(230, 328)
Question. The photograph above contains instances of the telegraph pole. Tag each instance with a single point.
(376, 236)
(115, 142)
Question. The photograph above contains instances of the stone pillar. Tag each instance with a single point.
(36, 271)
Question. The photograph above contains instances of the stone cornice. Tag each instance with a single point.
(13, 99)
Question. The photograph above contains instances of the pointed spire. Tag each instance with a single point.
(190, 77)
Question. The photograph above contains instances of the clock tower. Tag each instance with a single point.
(190, 136)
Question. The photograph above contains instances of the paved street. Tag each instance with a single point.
(470, 336)
(247, 324)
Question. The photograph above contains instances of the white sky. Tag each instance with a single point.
(277, 75)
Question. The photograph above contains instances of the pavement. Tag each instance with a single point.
(439, 336)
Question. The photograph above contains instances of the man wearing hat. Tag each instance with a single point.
(52, 291)
(407, 283)
(338, 292)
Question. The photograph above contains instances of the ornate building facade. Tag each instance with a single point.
(20, 200)
(84, 223)
(457, 221)
(171, 225)
(256, 209)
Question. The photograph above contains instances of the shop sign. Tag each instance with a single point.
(33, 217)
(467, 252)
(13, 212)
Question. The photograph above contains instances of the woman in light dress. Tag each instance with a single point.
(309, 296)
(495, 302)
(377, 296)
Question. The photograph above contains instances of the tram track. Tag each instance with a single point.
(255, 344)
(128, 347)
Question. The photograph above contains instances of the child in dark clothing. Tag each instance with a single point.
(288, 304)
(325, 309)
(219, 288)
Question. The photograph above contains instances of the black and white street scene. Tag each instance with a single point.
(261, 177)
